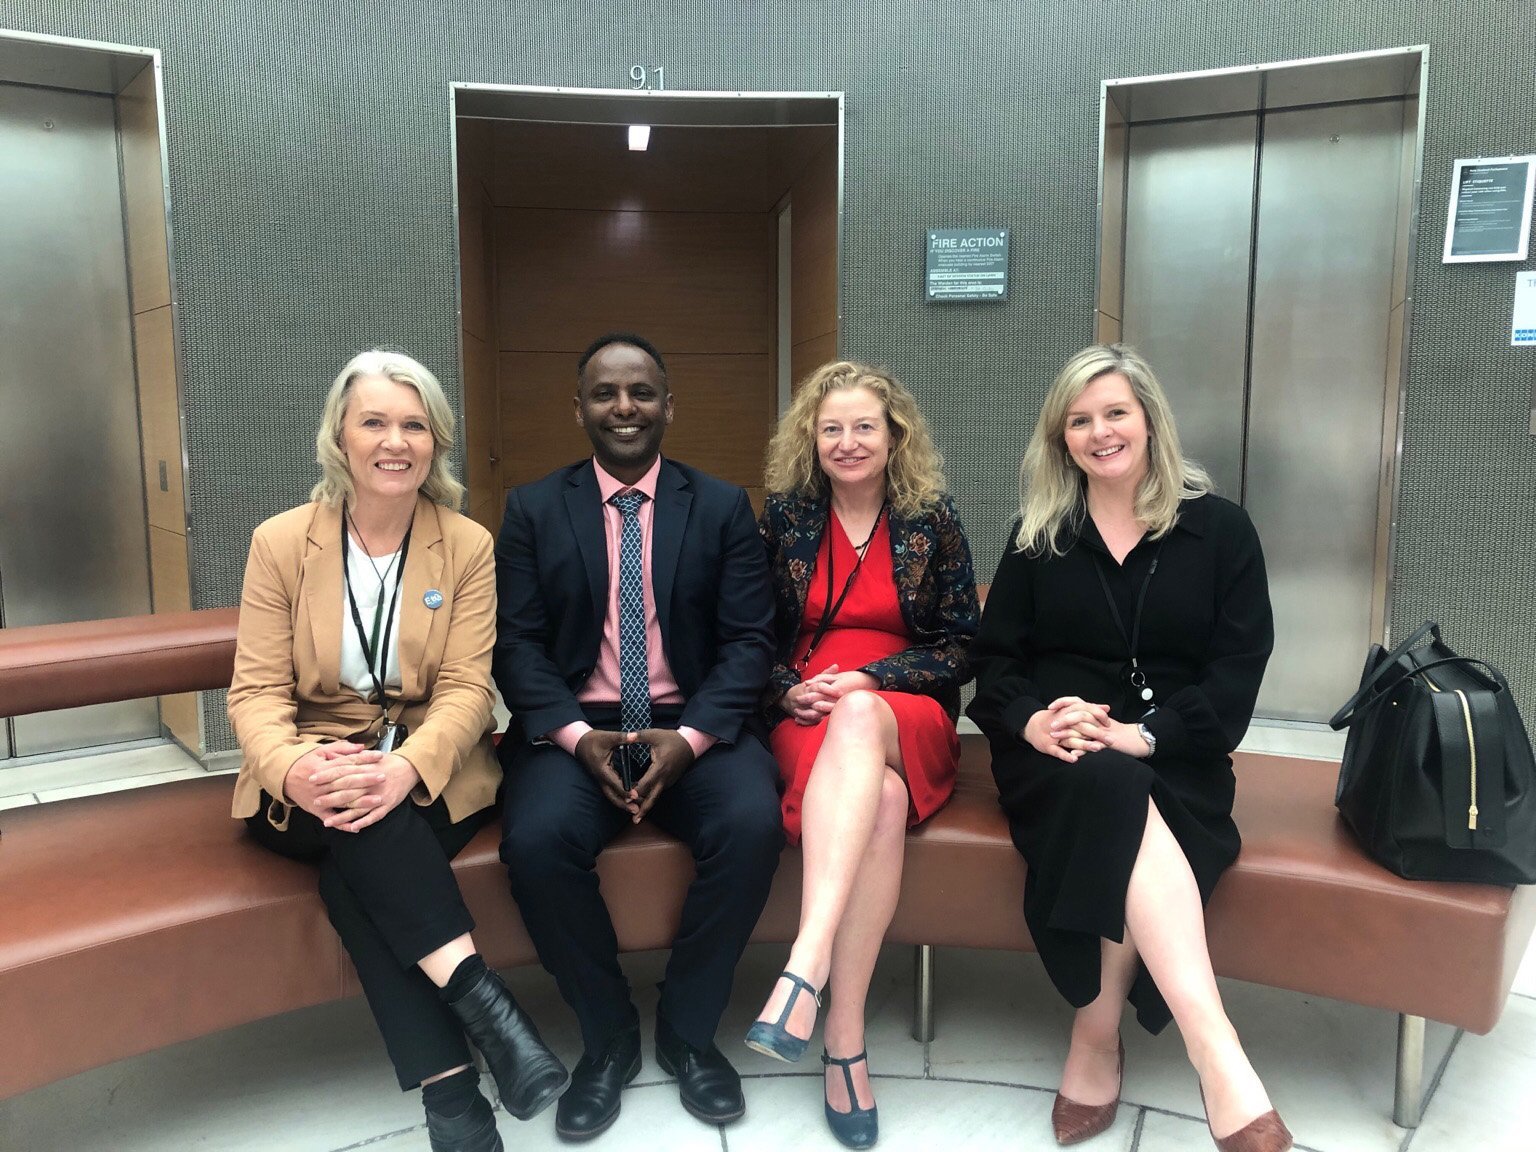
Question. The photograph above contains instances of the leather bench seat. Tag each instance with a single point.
(1303, 908)
(137, 919)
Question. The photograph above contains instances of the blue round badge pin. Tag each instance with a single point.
(433, 598)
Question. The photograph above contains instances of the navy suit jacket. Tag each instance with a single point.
(709, 576)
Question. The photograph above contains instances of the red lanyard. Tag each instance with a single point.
(830, 609)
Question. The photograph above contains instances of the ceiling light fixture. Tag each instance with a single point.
(639, 137)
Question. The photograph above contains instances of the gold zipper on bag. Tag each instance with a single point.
(1466, 715)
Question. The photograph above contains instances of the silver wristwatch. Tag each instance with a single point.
(1146, 734)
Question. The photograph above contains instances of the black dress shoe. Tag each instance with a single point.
(706, 1083)
(591, 1104)
(475, 1131)
(527, 1074)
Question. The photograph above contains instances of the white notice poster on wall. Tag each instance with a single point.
(1490, 215)
(1522, 332)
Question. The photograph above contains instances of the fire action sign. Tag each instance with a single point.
(967, 264)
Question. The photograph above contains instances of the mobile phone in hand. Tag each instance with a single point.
(625, 765)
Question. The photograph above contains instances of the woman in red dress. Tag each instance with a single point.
(876, 606)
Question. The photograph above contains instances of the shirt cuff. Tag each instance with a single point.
(569, 736)
(1017, 715)
(700, 742)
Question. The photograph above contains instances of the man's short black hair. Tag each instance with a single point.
(630, 338)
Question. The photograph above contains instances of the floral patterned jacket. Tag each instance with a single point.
(935, 585)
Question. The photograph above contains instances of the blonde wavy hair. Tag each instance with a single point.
(1052, 490)
(335, 486)
(914, 473)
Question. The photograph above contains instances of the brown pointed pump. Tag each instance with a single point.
(1074, 1122)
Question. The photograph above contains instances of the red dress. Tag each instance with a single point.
(867, 627)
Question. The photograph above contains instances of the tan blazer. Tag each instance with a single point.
(287, 699)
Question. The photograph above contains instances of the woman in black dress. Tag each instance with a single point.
(1119, 659)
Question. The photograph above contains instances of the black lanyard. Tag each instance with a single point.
(830, 609)
(1138, 677)
(379, 655)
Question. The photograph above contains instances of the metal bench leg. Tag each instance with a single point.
(1408, 1104)
(922, 993)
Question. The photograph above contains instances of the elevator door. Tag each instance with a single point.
(1327, 223)
(1188, 236)
(72, 517)
(1264, 306)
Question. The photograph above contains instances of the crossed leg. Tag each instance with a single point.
(1165, 928)
(853, 831)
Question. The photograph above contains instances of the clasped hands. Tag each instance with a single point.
(671, 756)
(349, 786)
(1071, 726)
(809, 701)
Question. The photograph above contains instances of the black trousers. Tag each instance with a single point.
(393, 899)
(555, 821)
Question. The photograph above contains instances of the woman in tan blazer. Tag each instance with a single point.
(362, 702)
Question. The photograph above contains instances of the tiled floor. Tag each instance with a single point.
(318, 1081)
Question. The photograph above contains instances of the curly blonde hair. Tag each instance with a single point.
(914, 473)
(1052, 496)
(335, 486)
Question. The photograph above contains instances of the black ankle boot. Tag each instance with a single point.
(474, 1131)
(528, 1075)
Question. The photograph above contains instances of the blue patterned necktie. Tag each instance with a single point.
(634, 667)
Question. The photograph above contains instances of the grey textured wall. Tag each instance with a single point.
(311, 185)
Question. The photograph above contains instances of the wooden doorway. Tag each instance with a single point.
(565, 233)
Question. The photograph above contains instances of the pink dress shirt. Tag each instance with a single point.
(602, 687)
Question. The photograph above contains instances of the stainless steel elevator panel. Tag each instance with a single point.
(1188, 230)
(73, 543)
(1327, 223)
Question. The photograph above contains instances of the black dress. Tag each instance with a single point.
(1206, 634)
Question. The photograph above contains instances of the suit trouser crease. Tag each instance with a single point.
(391, 895)
(556, 821)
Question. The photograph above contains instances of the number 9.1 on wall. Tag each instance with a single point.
(653, 79)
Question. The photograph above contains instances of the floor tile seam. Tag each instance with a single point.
(68, 792)
(148, 749)
(1433, 1087)
(1445, 1062)
(908, 1077)
(500, 1111)
(929, 1077)
(809, 1073)
(1200, 1120)
(1141, 1109)
(101, 752)
(149, 778)
(422, 1127)
(941, 1079)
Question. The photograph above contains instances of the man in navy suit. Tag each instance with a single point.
(614, 722)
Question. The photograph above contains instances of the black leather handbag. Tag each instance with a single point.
(1438, 780)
